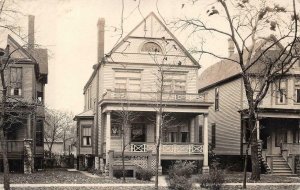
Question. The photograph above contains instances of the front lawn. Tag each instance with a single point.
(61, 176)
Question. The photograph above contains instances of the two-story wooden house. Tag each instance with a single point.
(278, 113)
(26, 76)
(149, 60)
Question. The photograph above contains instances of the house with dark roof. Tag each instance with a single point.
(26, 76)
(278, 112)
(127, 75)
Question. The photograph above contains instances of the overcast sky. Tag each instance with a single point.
(68, 29)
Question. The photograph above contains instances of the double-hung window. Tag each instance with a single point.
(86, 135)
(297, 90)
(127, 80)
(281, 91)
(16, 81)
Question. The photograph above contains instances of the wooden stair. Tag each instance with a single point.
(280, 166)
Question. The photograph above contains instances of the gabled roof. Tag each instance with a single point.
(37, 55)
(159, 32)
(226, 69)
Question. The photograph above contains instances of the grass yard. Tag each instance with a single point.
(61, 176)
(238, 178)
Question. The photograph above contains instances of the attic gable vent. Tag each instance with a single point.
(151, 47)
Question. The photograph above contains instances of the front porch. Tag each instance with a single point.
(182, 136)
(278, 137)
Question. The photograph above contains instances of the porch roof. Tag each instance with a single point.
(172, 107)
(274, 113)
(85, 114)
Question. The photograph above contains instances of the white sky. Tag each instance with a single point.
(68, 29)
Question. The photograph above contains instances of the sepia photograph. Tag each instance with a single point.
(149, 94)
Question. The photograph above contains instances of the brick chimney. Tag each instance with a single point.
(100, 24)
(30, 32)
(230, 47)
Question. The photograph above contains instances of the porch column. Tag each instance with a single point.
(192, 131)
(107, 134)
(205, 168)
(258, 129)
(28, 129)
(158, 117)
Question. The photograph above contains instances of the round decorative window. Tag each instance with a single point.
(151, 47)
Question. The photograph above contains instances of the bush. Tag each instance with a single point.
(213, 180)
(119, 173)
(144, 174)
(180, 183)
(180, 174)
(182, 168)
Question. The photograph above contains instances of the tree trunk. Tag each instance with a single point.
(5, 160)
(123, 159)
(157, 164)
(245, 169)
(255, 175)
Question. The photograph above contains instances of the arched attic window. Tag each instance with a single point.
(151, 47)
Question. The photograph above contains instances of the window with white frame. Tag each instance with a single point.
(86, 135)
(297, 90)
(127, 80)
(174, 82)
(281, 91)
(16, 81)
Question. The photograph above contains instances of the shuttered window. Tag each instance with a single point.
(39, 133)
(217, 99)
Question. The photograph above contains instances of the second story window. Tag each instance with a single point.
(281, 91)
(297, 90)
(217, 99)
(16, 81)
(86, 135)
(127, 80)
(174, 82)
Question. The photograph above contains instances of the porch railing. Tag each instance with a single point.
(168, 149)
(14, 146)
(153, 96)
(292, 148)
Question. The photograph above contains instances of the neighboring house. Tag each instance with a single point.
(278, 113)
(26, 79)
(127, 76)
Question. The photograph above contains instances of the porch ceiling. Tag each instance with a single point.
(150, 107)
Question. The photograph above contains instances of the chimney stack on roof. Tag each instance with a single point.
(230, 47)
(101, 25)
(30, 32)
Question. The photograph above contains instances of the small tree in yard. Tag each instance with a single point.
(123, 119)
(261, 59)
(59, 127)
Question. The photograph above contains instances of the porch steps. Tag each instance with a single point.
(280, 166)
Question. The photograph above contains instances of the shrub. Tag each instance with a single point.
(144, 174)
(180, 183)
(119, 173)
(213, 180)
(182, 168)
(180, 174)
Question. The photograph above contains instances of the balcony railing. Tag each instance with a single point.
(168, 149)
(14, 146)
(154, 96)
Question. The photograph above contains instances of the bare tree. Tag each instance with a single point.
(58, 127)
(266, 59)
(123, 118)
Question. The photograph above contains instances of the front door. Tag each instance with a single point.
(138, 132)
(279, 136)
